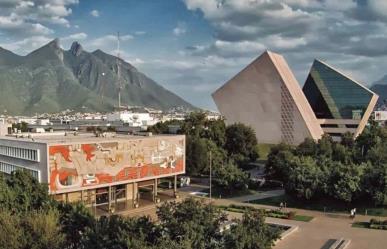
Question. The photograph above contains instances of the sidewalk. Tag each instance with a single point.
(258, 196)
(324, 227)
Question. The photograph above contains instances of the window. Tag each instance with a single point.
(333, 95)
(329, 126)
(22, 153)
(9, 168)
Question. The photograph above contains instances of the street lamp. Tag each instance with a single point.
(210, 176)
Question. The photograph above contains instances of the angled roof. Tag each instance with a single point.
(332, 94)
(267, 96)
(298, 96)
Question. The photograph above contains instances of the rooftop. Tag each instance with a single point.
(71, 137)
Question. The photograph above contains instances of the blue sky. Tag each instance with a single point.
(193, 46)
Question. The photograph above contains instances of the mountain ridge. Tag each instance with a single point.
(380, 88)
(51, 79)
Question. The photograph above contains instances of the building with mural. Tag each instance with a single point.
(96, 170)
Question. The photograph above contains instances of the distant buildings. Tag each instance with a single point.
(127, 121)
(4, 127)
(267, 96)
(132, 119)
(380, 116)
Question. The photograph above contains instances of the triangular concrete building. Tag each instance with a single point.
(267, 96)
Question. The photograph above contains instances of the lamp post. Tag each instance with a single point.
(210, 176)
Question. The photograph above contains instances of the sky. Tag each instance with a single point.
(192, 47)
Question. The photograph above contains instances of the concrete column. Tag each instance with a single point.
(155, 191)
(175, 185)
(135, 187)
(133, 196)
(110, 198)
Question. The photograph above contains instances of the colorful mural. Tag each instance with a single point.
(82, 165)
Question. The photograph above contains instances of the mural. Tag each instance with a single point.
(82, 165)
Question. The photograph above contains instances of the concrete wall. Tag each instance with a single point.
(266, 96)
(4, 128)
(40, 166)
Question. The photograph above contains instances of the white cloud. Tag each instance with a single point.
(17, 25)
(140, 32)
(296, 25)
(94, 13)
(347, 34)
(279, 43)
(26, 45)
(75, 37)
(378, 7)
(21, 18)
(136, 61)
(107, 42)
(180, 29)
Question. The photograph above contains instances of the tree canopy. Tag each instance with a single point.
(190, 224)
(232, 147)
(346, 171)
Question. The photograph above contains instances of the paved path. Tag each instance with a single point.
(257, 196)
(314, 234)
(324, 227)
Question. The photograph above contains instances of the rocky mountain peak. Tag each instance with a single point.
(76, 48)
(51, 79)
(55, 44)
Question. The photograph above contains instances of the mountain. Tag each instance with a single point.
(380, 88)
(51, 79)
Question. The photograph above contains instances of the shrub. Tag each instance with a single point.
(291, 215)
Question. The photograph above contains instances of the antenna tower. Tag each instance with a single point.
(118, 70)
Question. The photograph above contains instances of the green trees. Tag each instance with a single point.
(345, 171)
(196, 155)
(374, 182)
(163, 127)
(346, 181)
(231, 147)
(192, 224)
(75, 219)
(22, 192)
(304, 178)
(278, 162)
(241, 144)
(230, 177)
(41, 229)
(23, 126)
(117, 232)
(11, 236)
(27, 216)
(45, 224)
(251, 232)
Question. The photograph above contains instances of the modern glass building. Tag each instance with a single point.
(339, 103)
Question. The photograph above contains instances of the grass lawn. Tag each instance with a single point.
(327, 205)
(272, 213)
(264, 150)
(361, 224)
(303, 218)
(222, 193)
